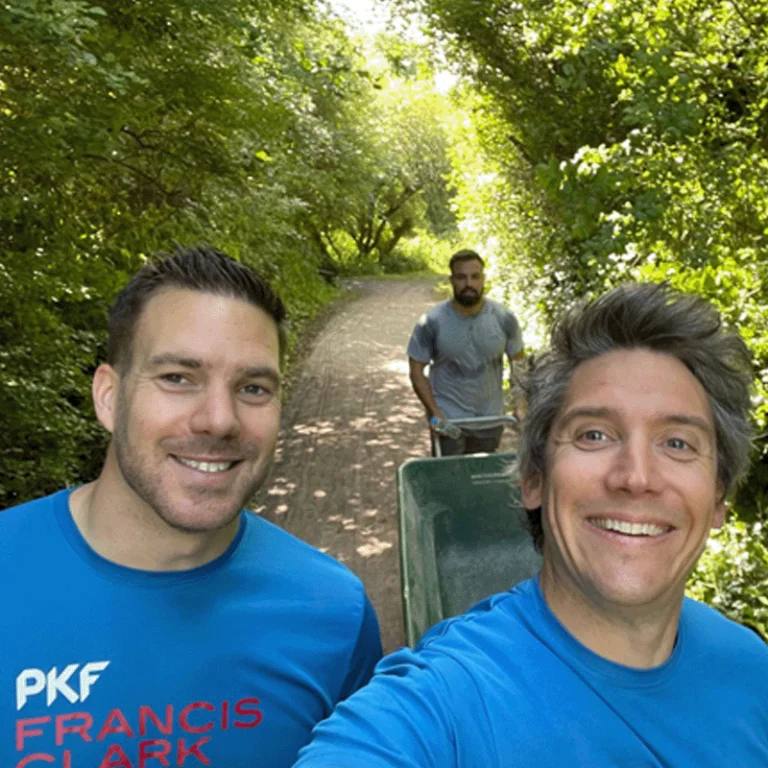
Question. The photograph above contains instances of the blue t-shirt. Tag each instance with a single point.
(507, 686)
(228, 665)
(465, 354)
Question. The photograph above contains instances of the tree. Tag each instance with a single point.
(640, 131)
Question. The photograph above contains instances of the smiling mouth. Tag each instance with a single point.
(630, 529)
(211, 467)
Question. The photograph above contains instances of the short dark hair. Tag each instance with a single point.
(198, 268)
(661, 319)
(465, 254)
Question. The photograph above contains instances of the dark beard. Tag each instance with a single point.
(467, 298)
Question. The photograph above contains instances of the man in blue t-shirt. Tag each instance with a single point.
(637, 429)
(147, 618)
(463, 341)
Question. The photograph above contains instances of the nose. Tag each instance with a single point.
(216, 413)
(634, 469)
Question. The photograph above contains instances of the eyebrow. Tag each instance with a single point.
(261, 372)
(171, 359)
(602, 413)
(250, 372)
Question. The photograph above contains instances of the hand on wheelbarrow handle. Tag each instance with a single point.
(454, 428)
(445, 428)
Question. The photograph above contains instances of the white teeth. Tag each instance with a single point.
(206, 466)
(631, 529)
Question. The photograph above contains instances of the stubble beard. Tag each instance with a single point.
(142, 481)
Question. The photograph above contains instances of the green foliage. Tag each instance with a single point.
(732, 574)
(388, 175)
(615, 141)
(623, 141)
(251, 124)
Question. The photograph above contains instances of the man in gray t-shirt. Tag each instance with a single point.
(463, 341)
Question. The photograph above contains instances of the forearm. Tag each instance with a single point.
(423, 390)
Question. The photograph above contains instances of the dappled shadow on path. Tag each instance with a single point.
(351, 421)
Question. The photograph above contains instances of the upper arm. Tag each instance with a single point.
(401, 719)
(421, 345)
(514, 334)
(416, 367)
(366, 654)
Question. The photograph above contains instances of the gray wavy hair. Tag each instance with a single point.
(652, 316)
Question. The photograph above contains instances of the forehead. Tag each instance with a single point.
(201, 321)
(638, 384)
(470, 267)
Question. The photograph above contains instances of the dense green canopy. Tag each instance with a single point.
(256, 126)
(624, 140)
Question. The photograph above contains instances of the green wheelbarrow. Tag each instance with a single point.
(463, 533)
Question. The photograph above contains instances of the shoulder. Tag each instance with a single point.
(501, 312)
(713, 634)
(28, 534)
(314, 594)
(437, 313)
(268, 548)
(26, 516)
(501, 619)
(491, 647)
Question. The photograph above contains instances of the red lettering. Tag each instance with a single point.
(145, 754)
(121, 725)
(22, 730)
(224, 715)
(183, 753)
(184, 714)
(241, 708)
(83, 728)
(147, 713)
(115, 752)
(37, 757)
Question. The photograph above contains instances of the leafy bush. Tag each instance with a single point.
(732, 574)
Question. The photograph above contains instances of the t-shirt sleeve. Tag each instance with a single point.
(513, 333)
(401, 719)
(421, 346)
(366, 654)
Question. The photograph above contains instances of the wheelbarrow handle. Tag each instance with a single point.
(477, 421)
(485, 421)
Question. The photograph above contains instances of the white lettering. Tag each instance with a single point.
(57, 683)
(30, 682)
(88, 676)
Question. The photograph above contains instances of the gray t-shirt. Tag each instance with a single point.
(465, 356)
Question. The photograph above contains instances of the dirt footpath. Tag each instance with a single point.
(351, 420)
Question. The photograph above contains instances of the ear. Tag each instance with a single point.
(532, 491)
(719, 516)
(106, 382)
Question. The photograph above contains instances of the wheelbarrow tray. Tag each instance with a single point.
(463, 535)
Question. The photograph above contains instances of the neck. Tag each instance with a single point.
(462, 309)
(634, 636)
(123, 529)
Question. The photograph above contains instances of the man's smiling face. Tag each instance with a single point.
(630, 493)
(195, 417)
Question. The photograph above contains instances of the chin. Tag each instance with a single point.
(197, 523)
